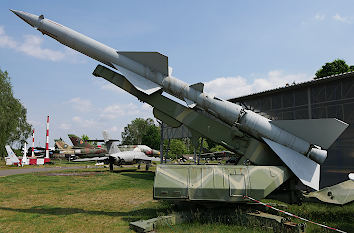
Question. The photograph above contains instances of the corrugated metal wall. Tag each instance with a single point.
(330, 99)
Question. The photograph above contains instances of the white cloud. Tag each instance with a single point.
(120, 110)
(230, 87)
(343, 19)
(84, 122)
(5, 40)
(32, 46)
(146, 107)
(114, 129)
(320, 17)
(112, 87)
(80, 104)
(34, 123)
(170, 70)
(76, 119)
(130, 110)
(65, 126)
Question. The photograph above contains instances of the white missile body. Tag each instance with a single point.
(297, 146)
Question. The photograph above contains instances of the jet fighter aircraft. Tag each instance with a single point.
(118, 157)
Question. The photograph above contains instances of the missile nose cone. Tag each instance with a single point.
(31, 19)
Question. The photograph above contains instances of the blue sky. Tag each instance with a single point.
(234, 47)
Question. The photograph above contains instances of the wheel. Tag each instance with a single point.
(147, 166)
(111, 161)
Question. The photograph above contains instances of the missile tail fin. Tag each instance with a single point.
(154, 60)
(304, 168)
(141, 83)
(321, 132)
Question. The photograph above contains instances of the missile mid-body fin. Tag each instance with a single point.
(190, 103)
(141, 83)
(154, 60)
(304, 168)
(321, 132)
(198, 86)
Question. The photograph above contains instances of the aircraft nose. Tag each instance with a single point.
(31, 19)
(156, 152)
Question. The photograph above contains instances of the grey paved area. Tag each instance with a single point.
(9, 172)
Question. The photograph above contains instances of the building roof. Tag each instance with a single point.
(296, 86)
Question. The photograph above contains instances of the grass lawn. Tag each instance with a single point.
(95, 200)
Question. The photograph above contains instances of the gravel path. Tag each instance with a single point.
(9, 172)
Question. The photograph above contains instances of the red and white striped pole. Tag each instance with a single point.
(47, 142)
(33, 144)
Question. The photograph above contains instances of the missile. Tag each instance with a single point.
(300, 144)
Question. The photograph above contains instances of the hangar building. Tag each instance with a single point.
(329, 97)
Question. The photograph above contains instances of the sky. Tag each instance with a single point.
(234, 47)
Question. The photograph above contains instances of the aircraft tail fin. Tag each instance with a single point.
(321, 132)
(11, 154)
(111, 145)
(61, 144)
(79, 142)
(304, 168)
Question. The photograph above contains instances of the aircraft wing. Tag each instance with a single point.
(147, 158)
(90, 159)
(154, 159)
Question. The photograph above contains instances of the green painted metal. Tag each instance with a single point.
(199, 122)
(242, 217)
(260, 154)
(222, 183)
(208, 182)
(339, 194)
(166, 119)
(151, 224)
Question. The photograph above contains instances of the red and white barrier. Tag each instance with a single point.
(31, 161)
(47, 140)
(32, 144)
(293, 215)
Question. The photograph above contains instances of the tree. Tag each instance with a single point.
(14, 127)
(338, 66)
(85, 138)
(191, 146)
(141, 131)
(152, 137)
(217, 148)
(177, 148)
